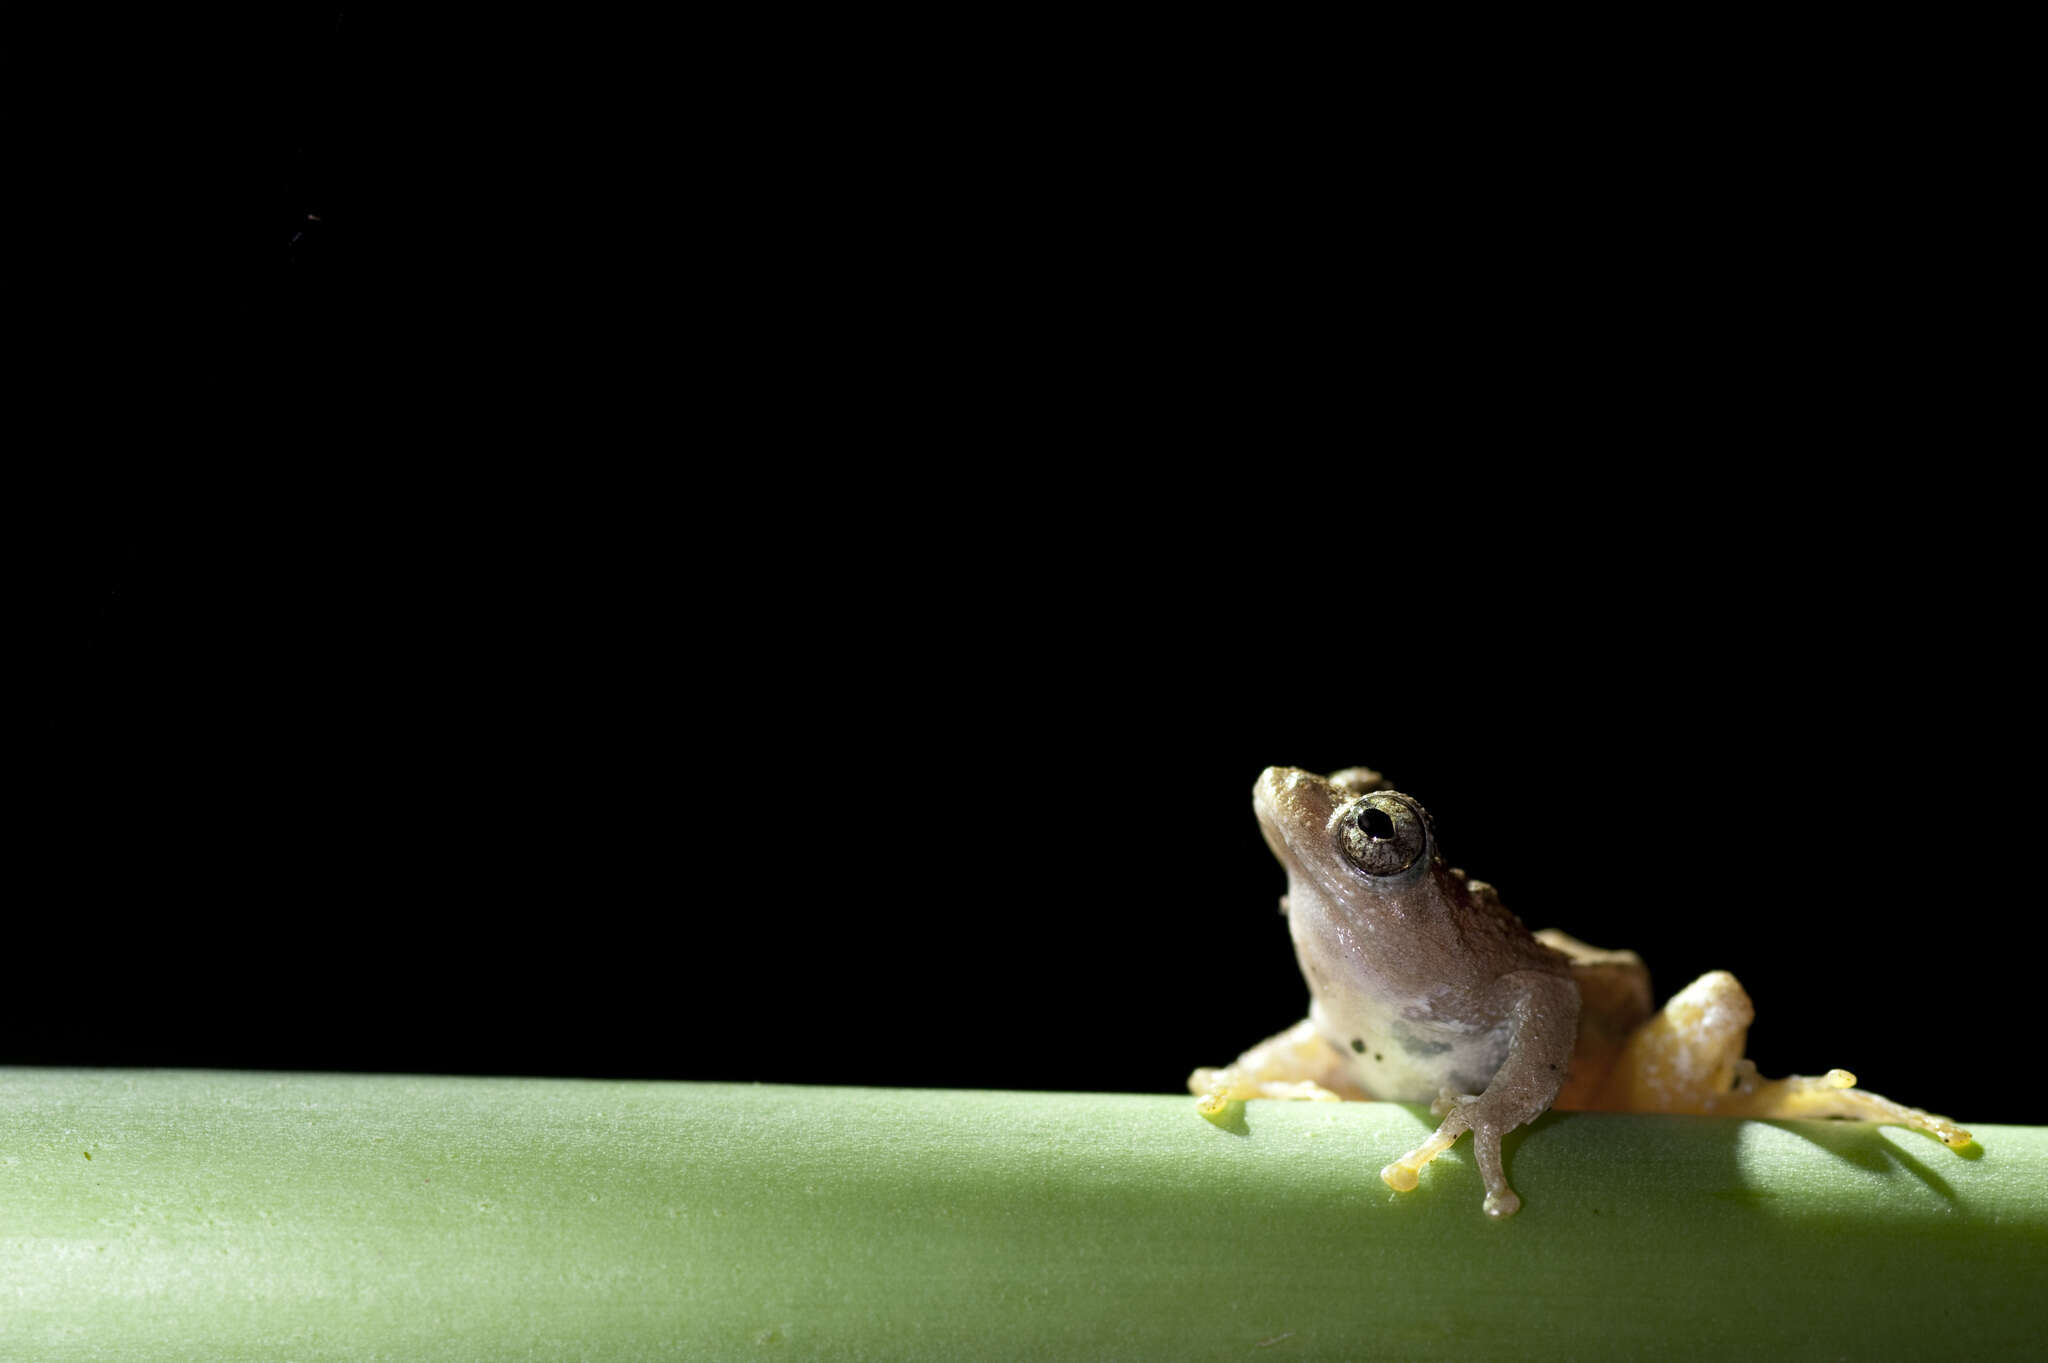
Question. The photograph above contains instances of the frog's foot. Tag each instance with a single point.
(1833, 1094)
(1467, 1113)
(1216, 1090)
(1298, 1063)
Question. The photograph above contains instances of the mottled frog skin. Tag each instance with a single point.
(1424, 988)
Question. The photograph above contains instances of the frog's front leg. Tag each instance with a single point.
(1298, 1063)
(1543, 1018)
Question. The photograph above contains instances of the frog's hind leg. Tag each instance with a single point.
(1685, 1057)
(1298, 1063)
(1688, 1058)
(1833, 1094)
(1614, 1000)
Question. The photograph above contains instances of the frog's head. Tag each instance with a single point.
(1349, 836)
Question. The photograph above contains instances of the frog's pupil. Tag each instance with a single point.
(1374, 823)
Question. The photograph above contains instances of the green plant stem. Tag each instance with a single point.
(171, 1215)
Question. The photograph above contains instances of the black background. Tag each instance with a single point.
(560, 808)
(719, 601)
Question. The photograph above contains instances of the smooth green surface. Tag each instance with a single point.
(285, 1217)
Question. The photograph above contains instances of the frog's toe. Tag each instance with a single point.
(1941, 1128)
(1401, 1175)
(1216, 1092)
(1501, 1200)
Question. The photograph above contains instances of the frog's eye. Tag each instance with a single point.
(1383, 835)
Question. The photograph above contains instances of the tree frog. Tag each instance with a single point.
(1423, 987)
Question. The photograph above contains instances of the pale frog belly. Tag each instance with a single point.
(1399, 1058)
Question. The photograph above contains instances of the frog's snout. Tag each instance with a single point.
(1279, 786)
(1271, 789)
(1276, 779)
(1288, 799)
